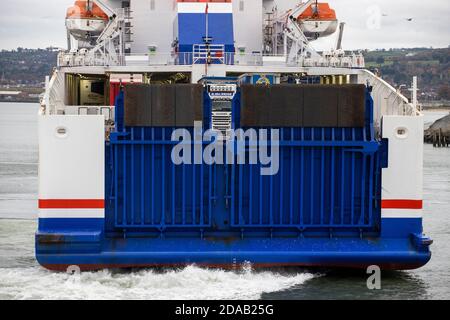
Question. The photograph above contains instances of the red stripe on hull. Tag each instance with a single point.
(100, 204)
(72, 204)
(402, 204)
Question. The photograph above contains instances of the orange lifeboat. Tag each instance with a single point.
(318, 20)
(85, 20)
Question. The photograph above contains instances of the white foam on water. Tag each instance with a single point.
(190, 283)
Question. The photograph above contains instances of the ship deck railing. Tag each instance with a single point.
(87, 59)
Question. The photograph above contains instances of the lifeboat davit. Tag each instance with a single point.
(317, 21)
(85, 20)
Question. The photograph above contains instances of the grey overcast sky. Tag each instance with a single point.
(369, 23)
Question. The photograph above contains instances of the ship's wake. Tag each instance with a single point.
(190, 283)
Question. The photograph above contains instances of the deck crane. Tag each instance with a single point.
(106, 9)
(111, 41)
(307, 22)
(300, 42)
(98, 30)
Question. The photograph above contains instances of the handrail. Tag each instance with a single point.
(388, 100)
(210, 53)
(54, 94)
(200, 54)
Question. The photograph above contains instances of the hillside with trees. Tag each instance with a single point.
(27, 68)
(398, 66)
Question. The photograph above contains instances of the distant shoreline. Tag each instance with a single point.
(437, 109)
(18, 101)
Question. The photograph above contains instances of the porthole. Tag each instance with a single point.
(401, 133)
(61, 132)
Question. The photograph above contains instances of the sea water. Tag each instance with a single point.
(22, 278)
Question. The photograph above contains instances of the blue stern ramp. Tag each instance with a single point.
(322, 207)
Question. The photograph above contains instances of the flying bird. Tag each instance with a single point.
(409, 19)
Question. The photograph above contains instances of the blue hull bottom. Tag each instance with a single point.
(87, 253)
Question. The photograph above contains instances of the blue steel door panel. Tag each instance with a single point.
(150, 191)
(318, 185)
